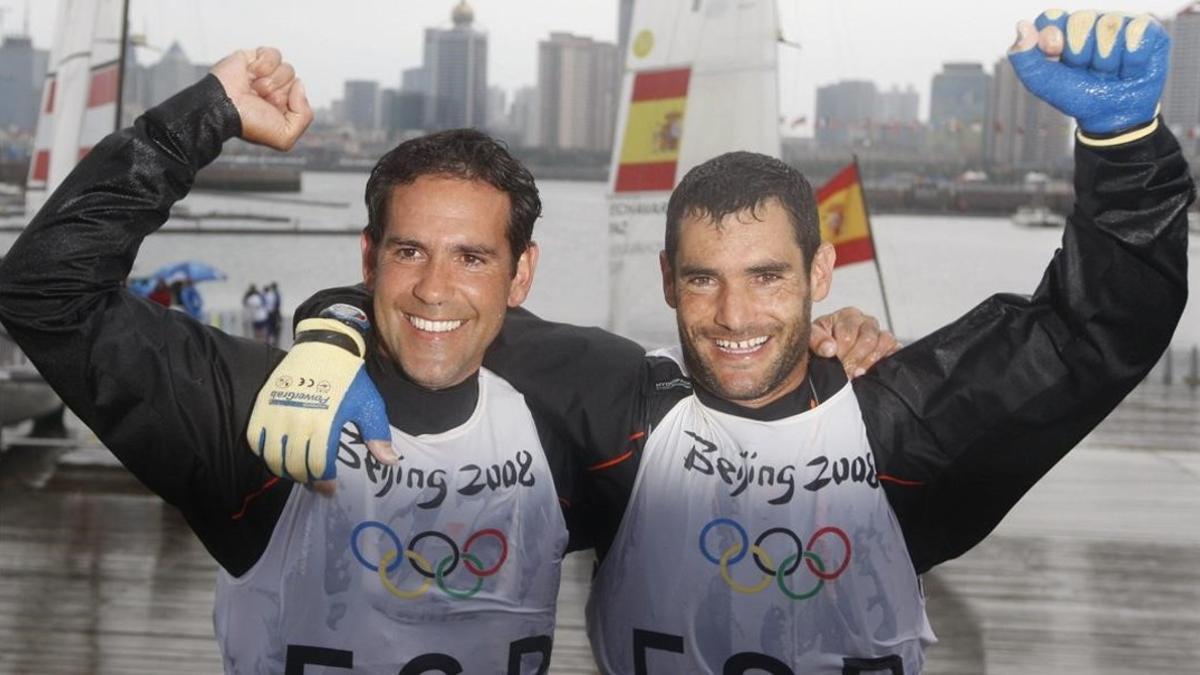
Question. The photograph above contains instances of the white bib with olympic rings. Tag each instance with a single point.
(758, 546)
(446, 563)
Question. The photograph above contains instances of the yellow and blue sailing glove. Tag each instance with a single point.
(1105, 70)
(319, 386)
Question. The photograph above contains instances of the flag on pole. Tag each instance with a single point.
(846, 223)
(654, 127)
(843, 212)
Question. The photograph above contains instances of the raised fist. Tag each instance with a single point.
(1107, 71)
(268, 97)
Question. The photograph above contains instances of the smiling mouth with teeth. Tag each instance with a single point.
(429, 326)
(741, 346)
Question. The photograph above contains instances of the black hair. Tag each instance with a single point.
(744, 181)
(468, 154)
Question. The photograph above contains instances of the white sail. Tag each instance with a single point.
(79, 97)
(700, 80)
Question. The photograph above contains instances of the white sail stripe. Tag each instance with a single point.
(98, 122)
(87, 40)
(50, 75)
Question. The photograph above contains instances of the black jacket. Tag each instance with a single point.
(961, 423)
(170, 397)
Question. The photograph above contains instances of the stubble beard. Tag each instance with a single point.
(794, 351)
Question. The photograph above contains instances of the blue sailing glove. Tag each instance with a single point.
(318, 387)
(1110, 76)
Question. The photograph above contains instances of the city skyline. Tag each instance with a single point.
(839, 40)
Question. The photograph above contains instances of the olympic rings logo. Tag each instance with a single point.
(391, 560)
(735, 553)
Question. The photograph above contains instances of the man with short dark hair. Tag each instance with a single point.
(479, 503)
(447, 561)
(754, 511)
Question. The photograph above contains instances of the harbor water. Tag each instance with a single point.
(1093, 572)
(934, 267)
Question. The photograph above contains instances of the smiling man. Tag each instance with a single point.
(441, 549)
(444, 269)
(742, 266)
(464, 539)
(753, 510)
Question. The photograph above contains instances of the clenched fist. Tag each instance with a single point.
(1105, 70)
(268, 97)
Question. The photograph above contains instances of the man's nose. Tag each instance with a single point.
(433, 287)
(734, 308)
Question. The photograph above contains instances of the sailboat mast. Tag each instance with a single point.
(124, 45)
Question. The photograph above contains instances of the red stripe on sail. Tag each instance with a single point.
(50, 96)
(41, 166)
(853, 251)
(645, 177)
(661, 84)
(103, 88)
(842, 180)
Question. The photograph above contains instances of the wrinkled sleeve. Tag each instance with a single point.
(965, 421)
(167, 395)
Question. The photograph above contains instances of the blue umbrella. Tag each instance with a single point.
(188, 269)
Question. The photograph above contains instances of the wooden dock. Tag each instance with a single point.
(1096, 571)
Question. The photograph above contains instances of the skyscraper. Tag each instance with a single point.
(958, 109)
(577, 79)
(846, 113)
(456, 67)
(361, 100)
(22, 70)
(524, 116)
(1181, 98)
(958, 96)
(898, 106)
(897, 126)
(1022, 132)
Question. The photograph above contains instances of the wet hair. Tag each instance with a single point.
(467, 154)
(744, 181)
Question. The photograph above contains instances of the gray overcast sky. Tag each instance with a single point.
(889, 42)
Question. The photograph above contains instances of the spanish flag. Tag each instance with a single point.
(654, 128)
(843, 212)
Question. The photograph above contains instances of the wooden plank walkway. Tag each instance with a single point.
(1096, 571)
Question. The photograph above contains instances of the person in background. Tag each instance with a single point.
(271, 301)
(161, 294)
(254, 314)
(191, 300)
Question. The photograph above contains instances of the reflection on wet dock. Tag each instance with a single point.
(1094, 572)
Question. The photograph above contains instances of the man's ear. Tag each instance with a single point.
(368, 260)
(522, 281)
(820, 273)
(668, 279)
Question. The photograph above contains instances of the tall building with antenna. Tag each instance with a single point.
(456, 71)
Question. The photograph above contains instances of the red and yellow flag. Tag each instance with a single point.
(843, 212)
(650, 149)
